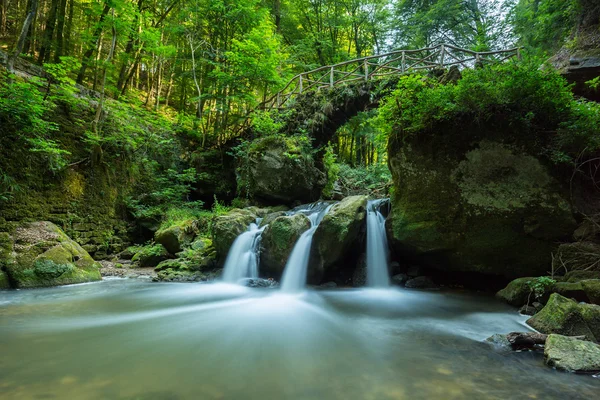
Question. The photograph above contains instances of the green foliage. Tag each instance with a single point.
(264, 123)
(374, 179)
(8, 187)
(332, 169)
(539, 286)
(219, 208)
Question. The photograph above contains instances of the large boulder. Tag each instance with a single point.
(277, 171)
(591, 287)
(278, 240)
(570, 354)
(336, 236)
(472, 205)
(174, 238)
(40, 254)
(150, 256)
(517, 292)
(566, 317)
(226, 228)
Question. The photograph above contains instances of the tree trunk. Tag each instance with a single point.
(131, 41)
(48, 33)
(67, 47)
(93, 44)
(3, 12)
(102, 89)
(24, 30)
(60, 26)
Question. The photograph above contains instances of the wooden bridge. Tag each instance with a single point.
(374, 67)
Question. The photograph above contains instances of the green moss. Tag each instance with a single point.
(517, 292)
(228, 227)
(151, 255)
(591, 287)
(278, 240)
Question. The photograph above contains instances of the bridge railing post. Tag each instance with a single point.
(366, 70)
(300, 84)
(331, 76)
(442, 51)
(403, 62)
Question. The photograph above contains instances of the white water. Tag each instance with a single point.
(242, 259)
(294, 274)
(377, 247)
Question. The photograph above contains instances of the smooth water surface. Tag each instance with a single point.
(128, 339)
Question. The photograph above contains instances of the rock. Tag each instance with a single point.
(259, 283)
(359, 276)
(176, 264)
(175, 238)
(4, 282)
(40, 254)
(328, 285)
(278, 240)
(128, 253)
(171, 275)
(337, 235)
(516, 292)
(277, 171)
(576, 256)
(468, 204)
(414, 271)
(538, 306)
(577, 276)
(228, 227)
(421, 282)
(527, 310)
(573, 355)
(400, 279)
(271, 217)
(151, 255)
(500, 342)
(566, 317)
(571, 290)
(453, 75)
(591, 287)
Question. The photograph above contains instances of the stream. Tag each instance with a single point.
(132, 339)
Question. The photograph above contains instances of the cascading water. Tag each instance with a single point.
(242, 259)
(294, 274)
(377, 246)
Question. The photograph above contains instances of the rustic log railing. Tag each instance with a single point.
(373, 67)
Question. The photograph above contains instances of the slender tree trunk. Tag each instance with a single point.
(33, 4)
(93, 44)
(3, 12)
(69, 29)
(48, 33)
(60, 27)
(131, 41)
(104, 73)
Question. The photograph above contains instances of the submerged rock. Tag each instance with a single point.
(468, 204)
(337, 235)
(400, 279)
(228, 227)
(40, 254)
(566, 317)
(570, 354)
(173, 275)
(278, 240)
(421, 282)
(259, 283)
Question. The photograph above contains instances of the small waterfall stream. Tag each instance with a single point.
(242, 259)
(377, 246)
(294, 274)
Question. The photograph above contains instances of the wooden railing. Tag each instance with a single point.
(374, 67)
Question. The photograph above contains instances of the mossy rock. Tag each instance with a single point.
(567, 317)
(572, 355)
(43, 255)
(174, 238)
(278, 240)
(466, 204)
(271, 217)
(228, 227)
(172, 275)
(516, 292)
(591, 287)
(151, 255)
(336, 235)
(176, 264)
(277, 170)
(571, 290)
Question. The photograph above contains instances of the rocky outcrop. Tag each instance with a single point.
(226, 228)
(278, 240)
(570, 354)
(39, 254)
(151, 255)
(567, 317)
(336, 236)
(517, 292)
(468, 205)
(277, 171)
(175, 238)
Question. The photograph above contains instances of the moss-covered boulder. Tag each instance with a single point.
(567, 317)
(226, 228)
(570, 290)
(271, 217)
(591, 287)
(174, 238)
(516, 292)
(278, 170)
(150, 256)
(569, 354)
(336, 236)
(39, 254)
(462, 203)
(278, 240)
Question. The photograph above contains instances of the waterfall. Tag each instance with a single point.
(242, 259)
(294, 274)
(377, 246)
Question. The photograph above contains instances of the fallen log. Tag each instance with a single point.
(528, 340)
